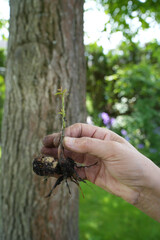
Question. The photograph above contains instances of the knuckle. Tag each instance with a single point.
(76, 129)
(76, 125)
(73, 130)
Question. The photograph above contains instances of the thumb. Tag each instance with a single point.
(92, 146)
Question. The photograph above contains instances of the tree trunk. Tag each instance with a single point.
(45, 52)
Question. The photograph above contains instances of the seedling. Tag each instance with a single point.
(63, 167)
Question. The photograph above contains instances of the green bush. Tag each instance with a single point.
(124, 85)
(2, 95)
(2, 84)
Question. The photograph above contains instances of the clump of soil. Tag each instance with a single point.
(62, 168)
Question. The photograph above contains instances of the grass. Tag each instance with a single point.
(107, 217)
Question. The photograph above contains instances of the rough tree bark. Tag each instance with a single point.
(45, 52)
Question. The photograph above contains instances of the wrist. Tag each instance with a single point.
(148, 199)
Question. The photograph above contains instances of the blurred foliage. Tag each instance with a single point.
(125, 83)
(128, 16)
(2, 95)
(2, 57)
(2, 83)
(4, 24)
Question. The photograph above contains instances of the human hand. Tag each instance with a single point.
(121, 169)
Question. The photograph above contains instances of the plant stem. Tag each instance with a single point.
(63, 117)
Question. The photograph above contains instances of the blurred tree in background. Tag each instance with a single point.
(42, 57)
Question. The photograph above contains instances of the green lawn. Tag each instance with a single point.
(104, 216)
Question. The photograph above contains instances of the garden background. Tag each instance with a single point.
(123, 94)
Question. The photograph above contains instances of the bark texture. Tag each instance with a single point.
(45, 52)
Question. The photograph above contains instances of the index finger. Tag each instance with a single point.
(78, 130)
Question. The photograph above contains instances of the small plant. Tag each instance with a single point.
(63, 167)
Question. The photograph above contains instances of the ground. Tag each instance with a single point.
(107, 217)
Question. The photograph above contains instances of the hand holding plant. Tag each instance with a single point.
(121, 169)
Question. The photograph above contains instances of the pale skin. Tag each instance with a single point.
(120, 169)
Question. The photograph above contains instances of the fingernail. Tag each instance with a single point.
(68, 141)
